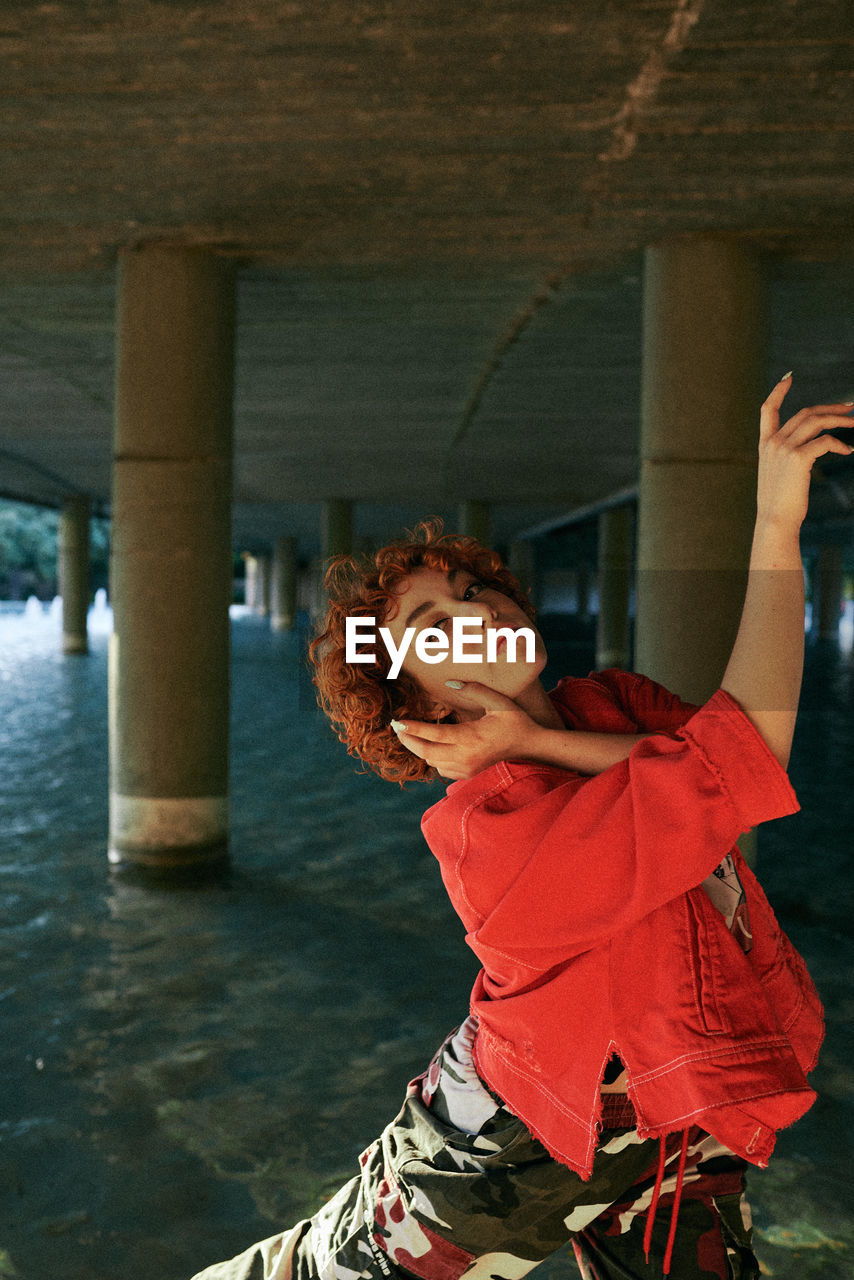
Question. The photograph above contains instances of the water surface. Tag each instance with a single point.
(185, 1071)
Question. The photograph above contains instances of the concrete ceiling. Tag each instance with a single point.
(439, 214)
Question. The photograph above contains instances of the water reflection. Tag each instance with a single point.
(189, 1070)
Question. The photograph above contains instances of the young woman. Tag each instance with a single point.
(640, 1028)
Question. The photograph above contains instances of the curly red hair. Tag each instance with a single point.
(357, 697)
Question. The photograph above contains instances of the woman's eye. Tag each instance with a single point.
(473, 589)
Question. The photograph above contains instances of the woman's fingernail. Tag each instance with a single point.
(454, 684)
(786, 375)
(397, 726)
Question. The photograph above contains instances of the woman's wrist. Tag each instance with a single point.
(537, 743)
(579, 750)
(776, 543)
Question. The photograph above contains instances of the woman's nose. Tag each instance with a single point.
(480, 609)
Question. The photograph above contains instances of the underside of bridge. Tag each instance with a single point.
(440, 223)
(439, 214)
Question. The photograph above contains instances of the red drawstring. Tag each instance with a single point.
(653, 1204)
(677, 1196)
(656, 1195)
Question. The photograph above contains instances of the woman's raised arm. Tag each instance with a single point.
(505, 732)
(764, 670)
(766, 664)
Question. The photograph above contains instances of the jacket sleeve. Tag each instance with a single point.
(647, 703)
(617, 701)
(548, 868)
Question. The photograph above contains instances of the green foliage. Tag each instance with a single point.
(99, 553)
(28, 539)
(28, 551)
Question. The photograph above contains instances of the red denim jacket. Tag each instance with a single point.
(581, 897)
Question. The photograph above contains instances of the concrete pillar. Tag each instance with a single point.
(264, 587)
(703, 380)
(74, 573)
(582, 587)
(475, 519)
(829, 581)
(171, 560)
(522, 563)
(250, 590)
(336, 539)
(613, 647)
(314, 590)
(284, 599)
(337, 530)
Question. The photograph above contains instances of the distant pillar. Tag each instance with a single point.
(74, 573)
(336, 539)
(315, 589)
(263, 592)
(582, 587)
(522, 563)
(250, 591)
(337, 530)
(284, 601)
(830, 582)
(615, 576)
(475, 519)
(171, 561)
(702, 385)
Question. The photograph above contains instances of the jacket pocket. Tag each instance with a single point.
(707, 962)
(781, 971)
(788, 985)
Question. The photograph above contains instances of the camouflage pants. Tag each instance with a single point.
(456, 1186)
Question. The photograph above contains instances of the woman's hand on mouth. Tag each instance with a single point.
(459, 751)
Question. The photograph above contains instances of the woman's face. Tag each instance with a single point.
(432, 598)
